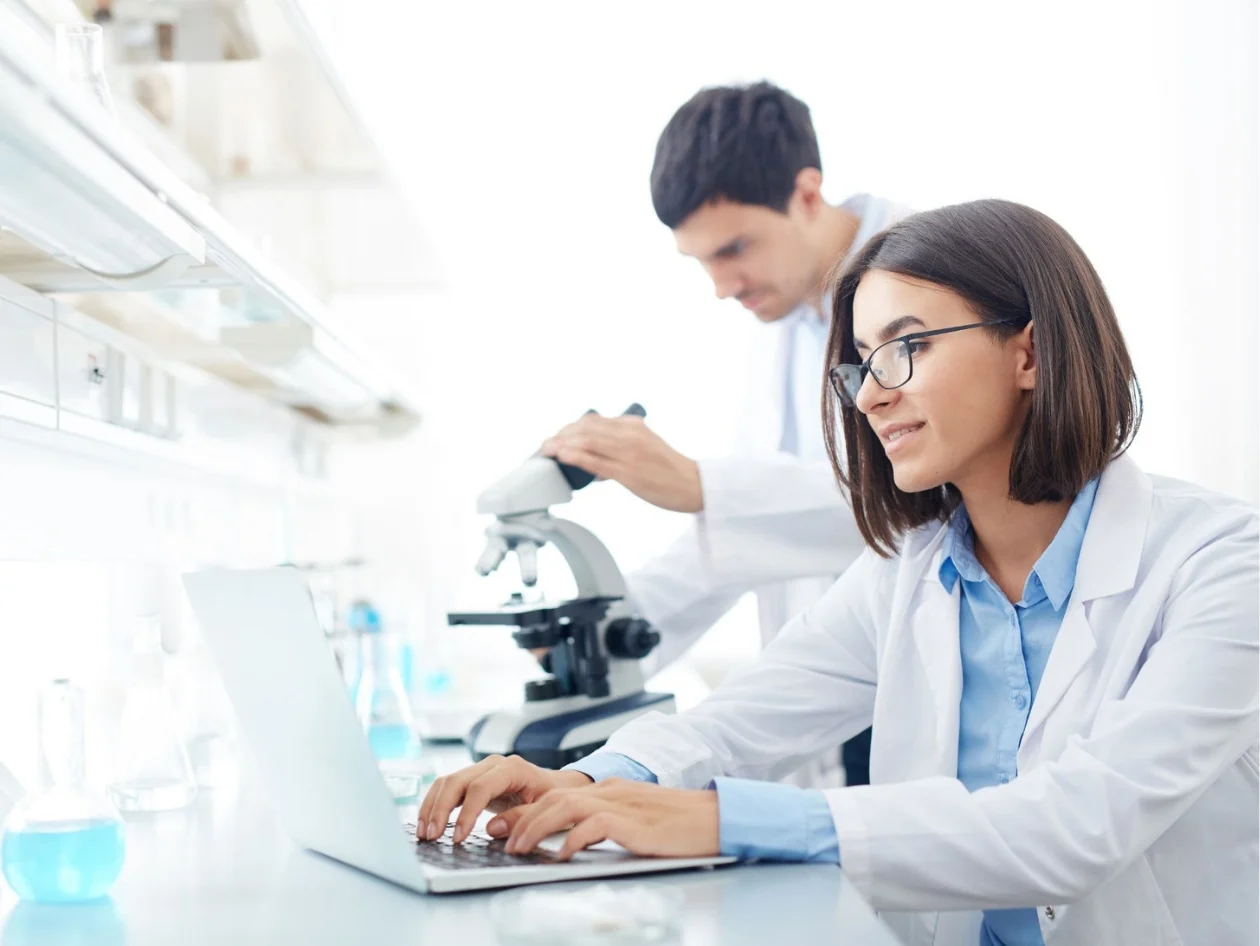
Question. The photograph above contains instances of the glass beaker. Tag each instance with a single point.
(81, 60)
(154, 773)
(63, 843)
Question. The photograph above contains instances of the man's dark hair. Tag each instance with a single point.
(1011, 264)
(742, 143)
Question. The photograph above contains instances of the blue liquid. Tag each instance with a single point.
(393, 741)
(80, 862)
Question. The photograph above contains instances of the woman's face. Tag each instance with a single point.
(956, 419)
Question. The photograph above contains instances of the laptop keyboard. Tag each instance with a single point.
(478, 851)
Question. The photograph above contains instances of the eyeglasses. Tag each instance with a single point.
(892, 363)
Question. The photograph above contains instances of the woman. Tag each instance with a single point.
(1058, 651)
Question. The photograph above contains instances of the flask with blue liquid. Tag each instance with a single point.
(63, 843)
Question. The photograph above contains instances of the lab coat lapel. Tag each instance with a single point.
(1110, 554)
(934, 628)
(1073, 646)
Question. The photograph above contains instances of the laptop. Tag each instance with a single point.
(295, 713)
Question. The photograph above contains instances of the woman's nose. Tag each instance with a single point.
(872, 396)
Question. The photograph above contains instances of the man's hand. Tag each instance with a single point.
(645, 819)
(496, 784)
(626, 450)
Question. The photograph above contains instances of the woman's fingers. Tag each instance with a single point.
(553, 812)
(446, 795)
(478, 795)
(601, 826)
(502, 824)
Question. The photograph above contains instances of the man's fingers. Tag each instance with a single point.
(605, 447)
(584, 459)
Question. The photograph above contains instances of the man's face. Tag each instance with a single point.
(759, 256)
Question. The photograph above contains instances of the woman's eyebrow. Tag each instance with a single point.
(893, 329)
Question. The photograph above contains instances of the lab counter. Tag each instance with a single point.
(223, 873)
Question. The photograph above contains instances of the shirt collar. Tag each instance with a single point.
(809, 317)
(1053, 576)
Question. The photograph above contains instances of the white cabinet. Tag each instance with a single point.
(28, 360)
(87, 372)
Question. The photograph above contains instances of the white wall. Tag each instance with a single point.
(525, 133)
(97, 524)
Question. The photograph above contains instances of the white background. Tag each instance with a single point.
(525, 134)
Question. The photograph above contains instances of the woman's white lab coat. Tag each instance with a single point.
(1134, 816)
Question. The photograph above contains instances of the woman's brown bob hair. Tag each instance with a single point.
(1008, 262)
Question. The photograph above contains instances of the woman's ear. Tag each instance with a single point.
(1025, 358)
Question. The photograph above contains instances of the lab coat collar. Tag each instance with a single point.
(1111, 548)
(1108, 565)
(1054, 574)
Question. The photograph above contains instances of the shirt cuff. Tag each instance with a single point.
(606, 765)
(775, 822)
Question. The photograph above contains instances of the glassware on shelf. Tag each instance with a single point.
(154, 773)
(81, 60)
(63, 843)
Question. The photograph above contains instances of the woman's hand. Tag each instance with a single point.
(645, 819)
(496, 784)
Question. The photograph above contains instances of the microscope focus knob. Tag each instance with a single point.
(631, 638)
(537, 691)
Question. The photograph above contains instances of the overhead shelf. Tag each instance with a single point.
(69, 201)
(290, 363)
(85, 208)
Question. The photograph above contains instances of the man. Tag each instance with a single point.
(737, 178)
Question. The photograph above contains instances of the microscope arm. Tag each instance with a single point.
(594, 569)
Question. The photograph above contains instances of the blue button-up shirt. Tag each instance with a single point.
(1004, 650)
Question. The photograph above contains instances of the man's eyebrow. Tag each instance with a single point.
(727, 248)
(892, 329)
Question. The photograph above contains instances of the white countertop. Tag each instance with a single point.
(223, 872)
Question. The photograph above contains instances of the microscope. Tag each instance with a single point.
(593, 642)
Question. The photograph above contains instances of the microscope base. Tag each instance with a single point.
(571, 733)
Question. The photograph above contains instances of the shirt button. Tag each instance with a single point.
(1020, 701)
(1004, 779)
(1049, 913)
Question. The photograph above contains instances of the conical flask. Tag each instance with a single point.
(62, 843)
(153, 771)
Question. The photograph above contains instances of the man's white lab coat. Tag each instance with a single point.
(774, 520)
